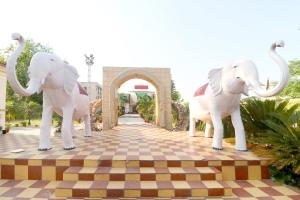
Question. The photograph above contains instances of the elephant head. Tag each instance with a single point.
(236, 77)
(45, 70)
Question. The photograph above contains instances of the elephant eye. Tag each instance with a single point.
(235, 66)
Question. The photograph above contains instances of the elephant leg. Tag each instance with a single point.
(45, 128)
(240, 137)
(218, 131)
(87, 126)
(66, 128)
(192, 127)
(73, 130)
(208, 131)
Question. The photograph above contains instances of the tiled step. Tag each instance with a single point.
(52, 169)
(141, 174)
(135, 189)
(135, 162)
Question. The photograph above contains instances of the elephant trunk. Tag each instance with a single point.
(11, 69)
(284, 74)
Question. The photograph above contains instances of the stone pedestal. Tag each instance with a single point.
(2, 95)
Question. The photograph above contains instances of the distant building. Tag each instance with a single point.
(2, 95)
(141, 90)
(96, 90)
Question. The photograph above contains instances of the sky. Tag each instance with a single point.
(189, 36)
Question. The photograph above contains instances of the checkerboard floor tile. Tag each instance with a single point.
(245, 190)
(140, 142)
(134, 157)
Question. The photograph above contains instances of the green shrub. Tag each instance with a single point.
(285, 176)
(275, 124)
(146, 108)
(24, 123)
(200, 125)
(58, 122)
(284, 136)
(174, 117)
(7, 126)
(228, 127)
(255, 112)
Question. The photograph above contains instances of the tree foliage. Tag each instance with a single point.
(15, 110)
(123, 98)
(32, 110)
(176, 102)
(293, 87)
(175, 95)
(146, 108)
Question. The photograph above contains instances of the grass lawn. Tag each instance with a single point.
(16, 123)
(34, 123)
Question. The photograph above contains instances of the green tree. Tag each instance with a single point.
(176, 105)
(30, 49)
(293, 87)
(15, 110)
(146, 108)
(21, 107)
(175, 95)
(123, 98)
(33, 110)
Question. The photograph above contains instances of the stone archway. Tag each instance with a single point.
(114, 77)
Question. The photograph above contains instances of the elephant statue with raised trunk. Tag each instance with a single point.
(220, 97)
(61, 93)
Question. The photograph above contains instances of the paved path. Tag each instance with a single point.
(36, 130)
(130, 119)
(27, 130)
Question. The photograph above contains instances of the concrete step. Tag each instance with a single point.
(141, 174)
(137, 189)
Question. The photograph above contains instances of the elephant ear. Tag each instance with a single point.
(214, 80)
(70, 78)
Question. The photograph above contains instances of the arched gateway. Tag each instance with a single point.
(114, 77)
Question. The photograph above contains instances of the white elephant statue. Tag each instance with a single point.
(61, 92)
(220, 97)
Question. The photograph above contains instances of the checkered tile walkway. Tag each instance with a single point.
(125, 142)
(132, 157)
